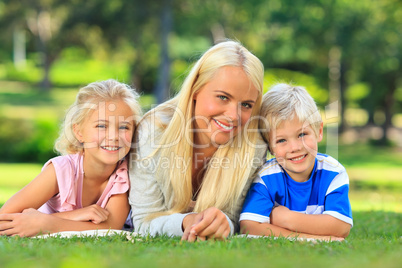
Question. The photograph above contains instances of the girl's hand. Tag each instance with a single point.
(28, 223)
(208, 224)
(93, 213)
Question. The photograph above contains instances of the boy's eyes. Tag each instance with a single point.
(280, 141)
(100, 126)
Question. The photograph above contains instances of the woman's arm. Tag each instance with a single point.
(266, 229)
(32, 222)
(147, 195)
(320, 224)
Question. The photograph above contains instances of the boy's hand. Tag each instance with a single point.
(280, 216)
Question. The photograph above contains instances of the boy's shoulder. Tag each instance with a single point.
(270, 167)
(329, 163)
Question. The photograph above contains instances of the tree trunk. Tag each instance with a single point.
(388, 108)
(162, 87)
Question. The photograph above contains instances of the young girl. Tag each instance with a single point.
(87, 187)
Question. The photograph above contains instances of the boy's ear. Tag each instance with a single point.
(77, 132)
(319, 138)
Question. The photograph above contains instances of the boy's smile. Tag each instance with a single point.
(294, 145)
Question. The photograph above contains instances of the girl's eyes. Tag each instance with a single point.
(301, 135)
(124, 127)
(223, 97)
(280, 141)
(121, 127)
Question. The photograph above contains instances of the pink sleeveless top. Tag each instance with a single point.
(70, 174)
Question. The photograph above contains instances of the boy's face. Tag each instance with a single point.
(294, 145)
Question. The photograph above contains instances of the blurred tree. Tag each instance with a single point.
(380, 52)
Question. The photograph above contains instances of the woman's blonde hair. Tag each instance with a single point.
(283, 102)
(229, 169)
(88, 99)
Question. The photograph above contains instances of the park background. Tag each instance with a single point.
(348, 54)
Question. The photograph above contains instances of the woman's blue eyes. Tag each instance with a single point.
(244, 104)
(247, 105)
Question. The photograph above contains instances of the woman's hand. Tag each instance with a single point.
(28, 223)
(93, 213)
(208, 224)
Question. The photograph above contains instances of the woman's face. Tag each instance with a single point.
(223, 106)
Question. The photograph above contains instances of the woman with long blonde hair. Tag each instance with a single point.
(196, 153)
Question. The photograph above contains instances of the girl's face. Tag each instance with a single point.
(223, 106)
(107, 132)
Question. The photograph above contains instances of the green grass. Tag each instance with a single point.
(374, 242)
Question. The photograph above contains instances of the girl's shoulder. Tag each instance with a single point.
(63, 162)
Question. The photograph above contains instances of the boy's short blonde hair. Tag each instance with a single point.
(282, 102)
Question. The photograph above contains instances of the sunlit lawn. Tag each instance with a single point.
(376, 198)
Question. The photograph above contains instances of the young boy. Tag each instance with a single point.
(299, 193)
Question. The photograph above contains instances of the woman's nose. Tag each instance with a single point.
(233, 112)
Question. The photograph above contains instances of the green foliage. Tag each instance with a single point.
(26, 141)
(31, 73)
(82, 72)
(274, 76)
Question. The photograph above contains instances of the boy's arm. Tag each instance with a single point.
(318, 224)
(267, 229)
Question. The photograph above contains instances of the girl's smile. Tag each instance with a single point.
(107, 132)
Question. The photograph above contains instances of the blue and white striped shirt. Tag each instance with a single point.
(325, 192)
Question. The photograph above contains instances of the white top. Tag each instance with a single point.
(147, 195)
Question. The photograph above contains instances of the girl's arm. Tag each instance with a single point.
(35, 194)
(32, 222)
(318, 224)
(266, 229)
(93, 213)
